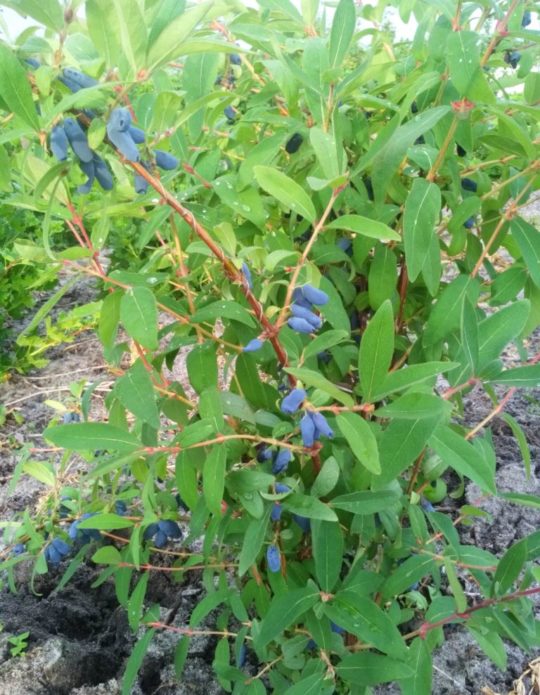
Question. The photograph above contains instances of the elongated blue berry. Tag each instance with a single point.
(59, 143)
(253, 345)
(275, 514)
(247, 274)
(120, 508)
(303, 313)
(18, 549)
(235, 59)
(124, 143)
(89, 169)
(60, 546)
(307, 429)
(321, 424)
(302, 522)
(160, 539)
(281, 488)
(119, 119)
(468, 224)
(103, 175)
(70, 84)
(170, 528)
(151, 531)
(300, 325)
(78, 140)
(526, 20)
(137, 135)
(79, 78)
(241, 660)
(34, 63)
(293, 143)
(337, 629)
(293, 401)
(273, 558)
(230, 113)
(300, 300)
(140, 183)
(165, 160)
(264, 454)
(315, 296)
(281, 462)
(469, 185)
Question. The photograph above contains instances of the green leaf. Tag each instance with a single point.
(47, 12)
(328, 545)
(361, 439)
(202, 367)
(168, 44)
(496, 331)
(16, 91)
(135, 603)
(364, 226)
(118, 30)
(105, 522)
(327, 479)
(214, 478)
(376, 350)
(89, 436)
(138, 313)
(285, 190)
(446, 314)
(491, 644)
(414, 406)
(253, 542)
(367, 669)
(522, 377)
(406, 575)
(325, 148)
(166, 12)
(223, 309)
(519, 434)
(310, 507)
(532, 501)
(342, 32)
(360, 616)
(366, 501)
(136, 393)
(311, 378)
(412, 376)
(108, 555)
(463, 56)
(401, 443)
(134, 662)
(421, 214)
(284, 611)
(509, 567)
(310, 685)
(420, 661)
(40, 471)
(460, 455)
(324, 341)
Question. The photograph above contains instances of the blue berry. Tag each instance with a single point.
(235, 59)
(307, 429)
(264, 454)
(302, 522)
(230, 113)
(88, 168)
(120, 508)
(469, 185)
(273, 558)
(18, 549)
(247, 275)
(293, 143)
(293, 401)
(170, 528)
(137, 135)
(300, 325)
(79, 78)
(253, 345)
(314, 295)
(119, 119)
(526, 20)
(275, 514)
(103, 175)
(303, 313)
(281, 462)
(59, 143)
(469, 224)
(281, 488)
(321, 425)
(165, 160)
(78, 140)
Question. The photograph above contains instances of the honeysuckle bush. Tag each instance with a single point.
(328, 223)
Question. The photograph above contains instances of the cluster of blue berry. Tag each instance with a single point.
(313, 424)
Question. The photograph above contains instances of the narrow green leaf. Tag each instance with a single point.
(365, 501)
(311, 685)
(364, 226)
(47, 12)
(361, 439)
(284, 611)
(421, 214)
(324, 341)
(40, 471)
(253, 541)
(342, 31)
(490, 643)
(327, 544)
(136, 600)
(214, 478)
(407, 574)
(532, 501)
(522, 377)
(136, 393)
(89, 436)
(325, 148)
(310, 507)
(362, 617)
(108, 555)
(519, 434)
(460, 455)
(413, 406)
(134, 662)
(367, 668)
(509, 567)
(223, 309)
(412, 376)
(287, 191)
(420, 661)
(311, 378)
(376, 350)
(496, 331)
(138, 313)
(401, 443)
(166, 12)
(446, 314)
(202, 367)
(15, 88)
(105, 522)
